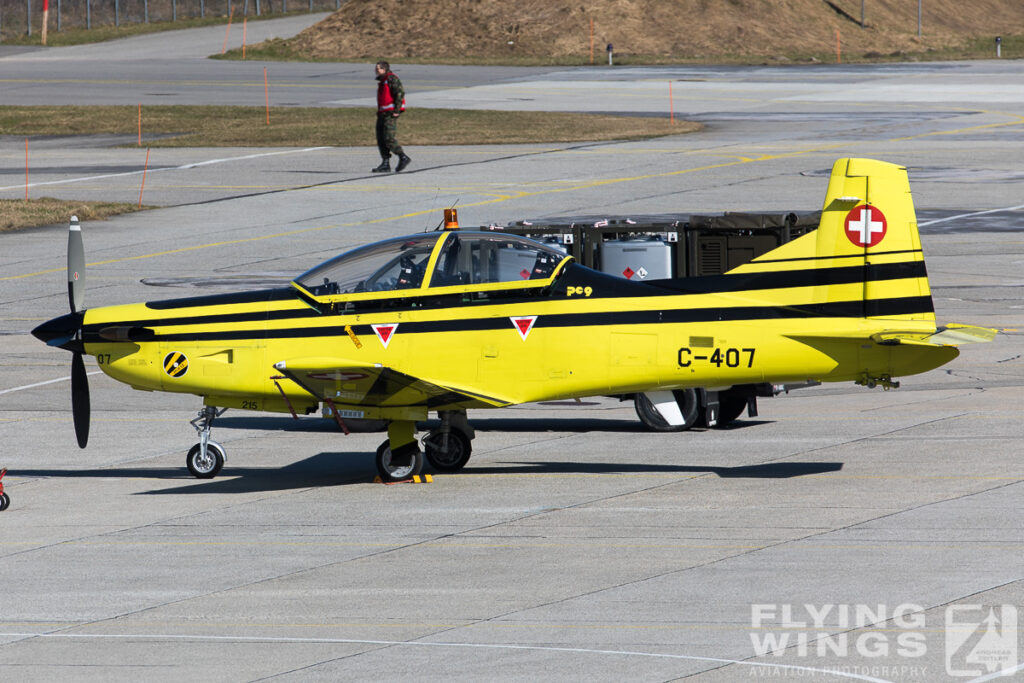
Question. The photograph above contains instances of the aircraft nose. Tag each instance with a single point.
(61, 331)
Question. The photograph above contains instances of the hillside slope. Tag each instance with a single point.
(684, 29)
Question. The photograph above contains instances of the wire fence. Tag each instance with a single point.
(25, 17)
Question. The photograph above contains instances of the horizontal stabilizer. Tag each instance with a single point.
(952, 334)
(955, 333)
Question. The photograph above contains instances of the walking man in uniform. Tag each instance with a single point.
(390, 104)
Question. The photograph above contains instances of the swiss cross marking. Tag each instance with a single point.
(865, 225)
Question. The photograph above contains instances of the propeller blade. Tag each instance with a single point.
(76, 266)
(80, 399)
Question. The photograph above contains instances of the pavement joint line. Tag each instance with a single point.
(439, 644)
(968, 215)
(159, 169)
(49, 381)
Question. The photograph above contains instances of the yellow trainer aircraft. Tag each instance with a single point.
(452, 320)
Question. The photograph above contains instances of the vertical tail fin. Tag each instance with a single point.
(869, 219)
(864, 260)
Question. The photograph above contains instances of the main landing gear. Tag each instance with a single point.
(683, 409)
(447, 448)
(206, 458)
(399, 458)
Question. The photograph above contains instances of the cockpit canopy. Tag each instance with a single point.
(463, 258)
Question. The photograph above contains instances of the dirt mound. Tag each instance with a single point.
(684, 29)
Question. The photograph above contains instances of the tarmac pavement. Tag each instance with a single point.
(867, 535)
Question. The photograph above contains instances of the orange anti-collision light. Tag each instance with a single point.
(451, 219)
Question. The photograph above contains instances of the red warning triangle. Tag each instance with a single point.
(523, 324)
(385, 332)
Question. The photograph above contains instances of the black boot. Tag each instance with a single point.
(403, 161)
(385, 167)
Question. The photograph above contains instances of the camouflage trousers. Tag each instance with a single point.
(386, 142)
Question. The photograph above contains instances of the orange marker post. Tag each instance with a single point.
(144, 169)
(839, 54)
(591, 41)
(26, 169)
(140, 124)
(244, 20)
(671, 107)
(227, 31)
(46, 18)
(266, 93)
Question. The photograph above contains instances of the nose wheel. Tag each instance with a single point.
(205, 465)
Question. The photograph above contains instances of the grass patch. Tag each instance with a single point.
(16, 214)
(202, 126)
(279, 49)
(99, 34)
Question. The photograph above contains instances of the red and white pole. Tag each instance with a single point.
(46, 18)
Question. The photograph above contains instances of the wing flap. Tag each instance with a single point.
(377, 385)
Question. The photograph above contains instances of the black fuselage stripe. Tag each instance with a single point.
(839, 309)
(832, 257)
(694, 286)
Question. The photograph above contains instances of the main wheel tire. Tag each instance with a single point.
(730, 407)
(208, 467)
(389, 472)
(5, 501)
(687, 401)
(459, 450)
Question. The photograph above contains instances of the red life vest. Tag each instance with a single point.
(385, 102)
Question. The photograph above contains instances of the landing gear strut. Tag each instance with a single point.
(207, 457)
(448, 447)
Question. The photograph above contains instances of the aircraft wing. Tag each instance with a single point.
(347, 383)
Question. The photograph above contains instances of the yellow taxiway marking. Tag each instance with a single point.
(515, 195)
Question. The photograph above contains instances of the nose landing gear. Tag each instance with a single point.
(5, 500)
(206, 458)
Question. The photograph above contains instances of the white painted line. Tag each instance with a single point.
(482, 646)
(168, 168)
(43, 384)
(968, 215)
(998, 674)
